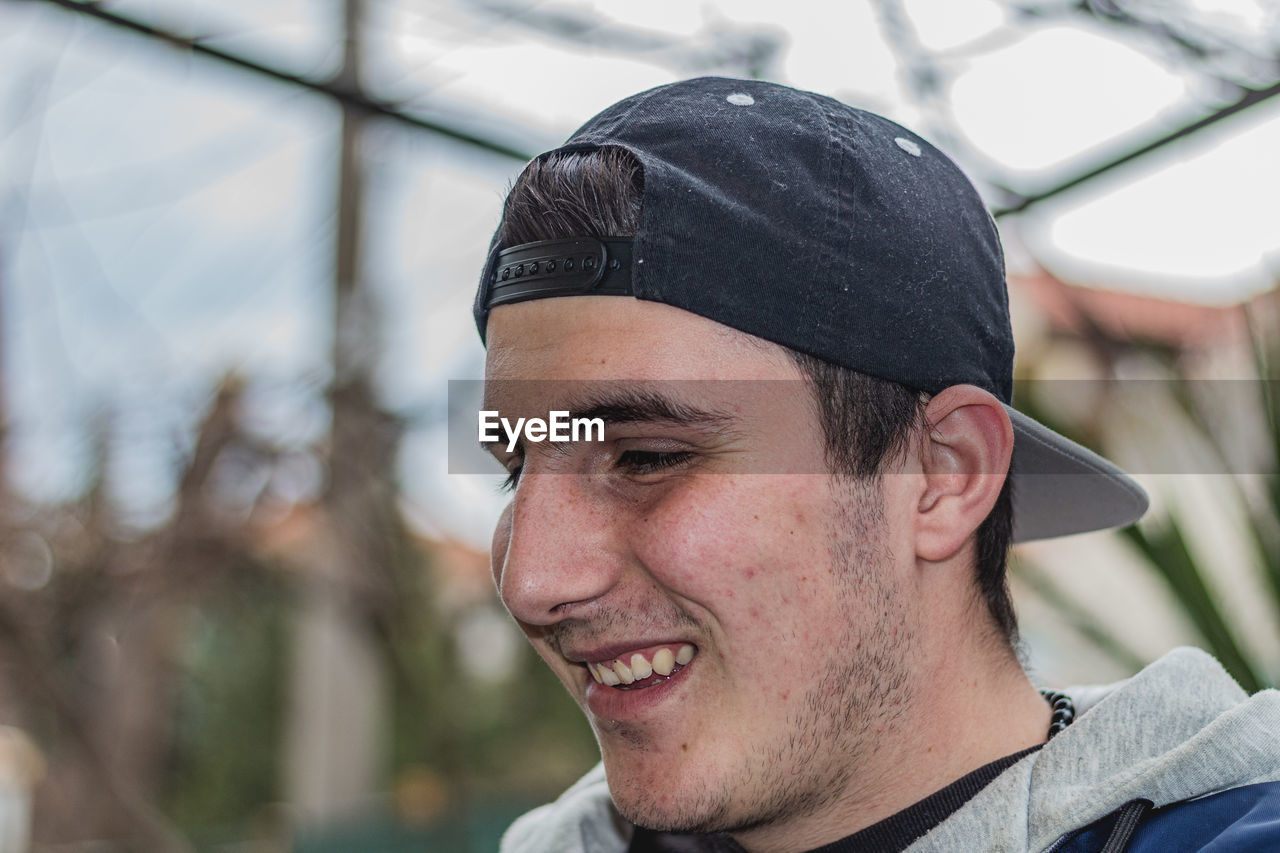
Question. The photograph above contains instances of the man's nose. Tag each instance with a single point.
(555, 550)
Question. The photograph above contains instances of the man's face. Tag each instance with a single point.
(704, 523)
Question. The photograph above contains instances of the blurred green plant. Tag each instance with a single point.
(1162, 542)
(229, 712)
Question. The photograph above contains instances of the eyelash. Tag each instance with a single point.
(654, 460)
(632, 461)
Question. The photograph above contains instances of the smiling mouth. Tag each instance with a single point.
(637, 671)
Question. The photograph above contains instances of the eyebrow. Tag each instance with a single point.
(639, 405)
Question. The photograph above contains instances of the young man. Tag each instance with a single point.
(776, 582)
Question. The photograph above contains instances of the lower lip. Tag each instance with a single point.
(610, 703)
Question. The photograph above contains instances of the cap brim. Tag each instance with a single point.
(1060, 488)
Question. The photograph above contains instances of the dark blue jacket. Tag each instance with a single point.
(1239, 820)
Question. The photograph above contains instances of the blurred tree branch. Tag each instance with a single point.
(148, 828)
(1238, 57)
(128, 593)
(1250, 74)
(722, 48)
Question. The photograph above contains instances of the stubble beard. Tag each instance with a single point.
(832, 731)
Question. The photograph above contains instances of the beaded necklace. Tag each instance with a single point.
(1064, 710)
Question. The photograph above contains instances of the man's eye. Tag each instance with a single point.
(652, 461)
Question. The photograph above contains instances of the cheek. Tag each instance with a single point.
(732, 539)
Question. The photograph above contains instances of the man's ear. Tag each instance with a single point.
(965, 459)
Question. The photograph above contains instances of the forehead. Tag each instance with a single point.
(620, 337)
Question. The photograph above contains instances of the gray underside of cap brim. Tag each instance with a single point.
(1060, 488)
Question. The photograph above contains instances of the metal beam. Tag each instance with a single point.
(332, 88)
(1251, 97)
(359, 100)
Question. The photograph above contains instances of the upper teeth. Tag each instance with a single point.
(664, 662)
(637, 667)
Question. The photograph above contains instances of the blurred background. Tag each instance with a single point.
(243, 604)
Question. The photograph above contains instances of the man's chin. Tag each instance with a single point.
(679, 807)
(686, 821)
(667, 818)
(689, 799)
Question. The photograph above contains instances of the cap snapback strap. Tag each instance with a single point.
(575, 267)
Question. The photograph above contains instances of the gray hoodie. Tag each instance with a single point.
(1179, 729)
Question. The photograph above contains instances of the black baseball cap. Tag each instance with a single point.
(829, 230)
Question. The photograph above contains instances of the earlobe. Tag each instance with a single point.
(965, 459)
